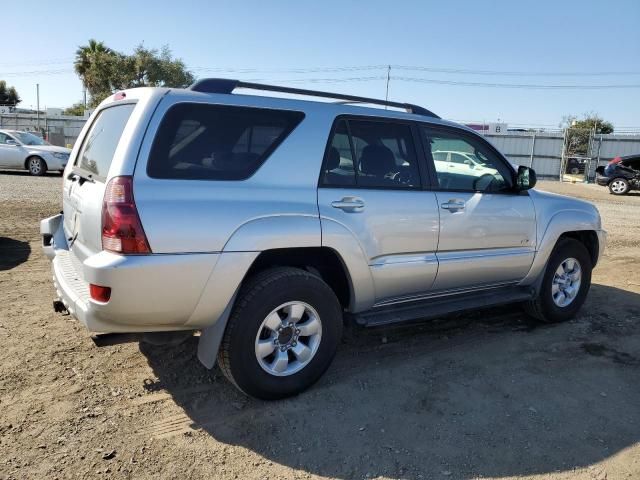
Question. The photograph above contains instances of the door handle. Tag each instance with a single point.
(453, 205)
(349, 204)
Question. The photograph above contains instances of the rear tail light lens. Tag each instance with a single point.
(99, 293)
(121, 228)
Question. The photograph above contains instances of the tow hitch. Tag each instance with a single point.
(59, 307)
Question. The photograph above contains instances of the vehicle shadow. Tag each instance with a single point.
(483, 394)
(24, 173)
(13, 253)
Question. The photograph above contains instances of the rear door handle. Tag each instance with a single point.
(349, 204)
(453, 205)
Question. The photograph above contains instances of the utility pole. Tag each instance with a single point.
(38, 106)
(386, 97)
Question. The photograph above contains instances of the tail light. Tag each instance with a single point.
(121, 228)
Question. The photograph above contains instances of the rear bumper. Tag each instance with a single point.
(602, 181)
(148, 292)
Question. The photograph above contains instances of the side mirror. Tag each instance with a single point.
(526, 178)
(10, 141)
(468, 162)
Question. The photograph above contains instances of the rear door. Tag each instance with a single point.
(487, 230)
(371, 186)
(84, 184)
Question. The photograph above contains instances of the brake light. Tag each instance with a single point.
(99, 293)
(121, 228)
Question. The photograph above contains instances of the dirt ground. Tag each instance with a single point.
(480, 395)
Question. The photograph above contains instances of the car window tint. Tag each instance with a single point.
(3, 137)
(101, 140)
(338, 162)
(385, 154)
(483, 170)
(212, 142)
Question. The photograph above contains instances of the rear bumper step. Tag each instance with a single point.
(440, 306)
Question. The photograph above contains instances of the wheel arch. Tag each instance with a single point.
(582, 225)
(324, 262)
(33, 155)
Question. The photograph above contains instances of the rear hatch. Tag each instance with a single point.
(85, 180)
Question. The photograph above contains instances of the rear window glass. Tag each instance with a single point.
(212, 142)
(100, 143)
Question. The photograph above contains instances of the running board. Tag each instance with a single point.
(440, 306)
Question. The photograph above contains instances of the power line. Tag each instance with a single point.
(515, 85)
(388, 77)
(349, 68)
(511, 73)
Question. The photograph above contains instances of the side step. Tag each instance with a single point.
(440, 306)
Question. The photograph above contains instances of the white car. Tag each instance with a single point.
(26, 151)
(462, 163)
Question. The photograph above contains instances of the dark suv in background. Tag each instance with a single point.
(621, 175)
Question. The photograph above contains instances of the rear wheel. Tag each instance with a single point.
(282, 334)
(565, 284)
(619, 186)
(36, 166)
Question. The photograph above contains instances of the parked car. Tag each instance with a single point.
(268, 222)
(26, 151)
(576, 165)
(465, 163)
(621, 175)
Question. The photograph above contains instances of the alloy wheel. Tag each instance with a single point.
(566, 282)
(618, 186)
(288, 338)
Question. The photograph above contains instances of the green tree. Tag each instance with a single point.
(76, 109)
(8, 95)
(104, 71)
(579, 131)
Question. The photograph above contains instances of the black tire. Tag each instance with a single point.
(619, 181)
(543, 308)
(257, 298)
(37, 167)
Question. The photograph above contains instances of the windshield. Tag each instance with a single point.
(29, 138)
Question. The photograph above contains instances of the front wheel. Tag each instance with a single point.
(619, 186)
(282, 334)
(565, 285)
(36, 166)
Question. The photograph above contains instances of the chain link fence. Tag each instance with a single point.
(567, 155)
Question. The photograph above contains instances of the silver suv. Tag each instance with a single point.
(265, 223)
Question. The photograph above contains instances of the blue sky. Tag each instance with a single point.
(273, 38)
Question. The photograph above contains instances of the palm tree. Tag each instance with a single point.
(85, 55)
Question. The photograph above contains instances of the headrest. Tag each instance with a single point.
(377, 160)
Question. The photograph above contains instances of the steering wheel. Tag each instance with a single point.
(484, 178)
(402, 177)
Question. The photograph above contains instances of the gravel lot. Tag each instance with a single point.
(481, 395)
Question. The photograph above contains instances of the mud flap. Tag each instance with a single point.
(211, 337)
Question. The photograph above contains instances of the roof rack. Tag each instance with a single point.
(227, 85)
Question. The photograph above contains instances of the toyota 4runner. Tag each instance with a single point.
(265, 223)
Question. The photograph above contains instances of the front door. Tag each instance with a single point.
(487, 230)
(371, 192)
(11, 152)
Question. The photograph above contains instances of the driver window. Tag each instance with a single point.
(472, 166)
(4, 137)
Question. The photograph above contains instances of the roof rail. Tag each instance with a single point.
(227, 85)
